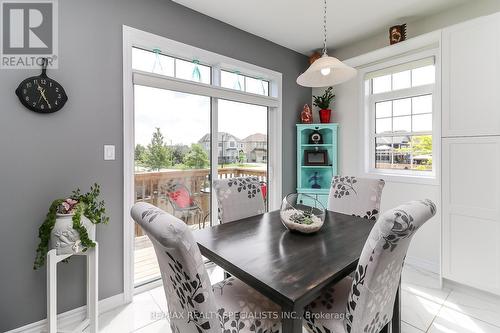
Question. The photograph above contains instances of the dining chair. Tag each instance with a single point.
(238, 198)
(365, 303)
(194, 305)
(183, 203)
(356, 196)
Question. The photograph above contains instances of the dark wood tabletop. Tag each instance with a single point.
(289, 268)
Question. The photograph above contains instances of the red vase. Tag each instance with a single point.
(324, 115)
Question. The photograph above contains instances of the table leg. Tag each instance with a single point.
(52, 291)
(292, 320)
(93, 288)
(396, 315)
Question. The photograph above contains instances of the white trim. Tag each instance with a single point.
(170, 83)
(71, 317)
(460, 287)
(180, 50)
(394, 57)
(128, 166)
(214, 156)
(427, 41)
(148, 286)
(427, 265)
(137, 38)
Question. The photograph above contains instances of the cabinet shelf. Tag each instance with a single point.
(310, 177)
(316, 166)
(317, 145)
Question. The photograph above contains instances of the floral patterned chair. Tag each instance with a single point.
(356, 196)
(183, 203)
(238, 198)
(194, 305)
(365, 303)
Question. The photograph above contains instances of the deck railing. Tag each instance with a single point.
(152, 186)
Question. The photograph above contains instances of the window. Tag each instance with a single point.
(399, 104)
(158, 63)
(185, 115)
(235, 80)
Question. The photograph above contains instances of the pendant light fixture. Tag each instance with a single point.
(326, 71)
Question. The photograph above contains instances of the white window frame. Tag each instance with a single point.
(136, 38)
(367, 104)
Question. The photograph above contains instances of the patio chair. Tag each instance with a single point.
(238, 198)
(183, 203)
(193, 303)
(365, 303)
(356, 196)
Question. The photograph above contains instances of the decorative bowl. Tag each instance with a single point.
(302, 213)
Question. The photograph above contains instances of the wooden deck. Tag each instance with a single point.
(146, 267)
(145, 264)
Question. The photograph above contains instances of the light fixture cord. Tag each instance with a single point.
(325, 30)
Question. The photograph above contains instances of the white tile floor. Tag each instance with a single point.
(425, 308)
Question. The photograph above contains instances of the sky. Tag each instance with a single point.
(185, 118)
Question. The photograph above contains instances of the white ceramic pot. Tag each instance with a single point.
(64, 238)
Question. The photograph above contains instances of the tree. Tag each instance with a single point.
(140, 154)
(241, 157)
(178, 153)
(196, 158)
(158, 155)
(422, 144)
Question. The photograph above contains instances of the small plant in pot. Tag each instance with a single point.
(323, 103)
(69, 226)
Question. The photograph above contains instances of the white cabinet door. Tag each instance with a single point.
(471, 78)
(471, 211)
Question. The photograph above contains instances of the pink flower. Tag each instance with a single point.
(71, 202)
(66, 207)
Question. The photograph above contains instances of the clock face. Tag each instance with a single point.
(315, 137)
(41, 94)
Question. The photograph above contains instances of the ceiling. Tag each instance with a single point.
(298, 24)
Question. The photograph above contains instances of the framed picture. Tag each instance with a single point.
(316, 157)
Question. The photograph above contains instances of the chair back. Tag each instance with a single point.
(238, 198)
(377, 277)
(185, 280)
(180, 197)
(356, 196)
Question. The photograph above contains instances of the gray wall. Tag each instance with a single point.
(418, 26)
(44, 157)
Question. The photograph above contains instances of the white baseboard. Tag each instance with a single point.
(423, 264)
(73, 316)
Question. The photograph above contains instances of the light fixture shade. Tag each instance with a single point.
(338, 72)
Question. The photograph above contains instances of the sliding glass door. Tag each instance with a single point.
(172, 164)
(242, 142)
(190, 117)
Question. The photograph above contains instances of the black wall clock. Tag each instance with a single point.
(42, 94)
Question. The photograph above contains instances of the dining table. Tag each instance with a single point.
(289, 268)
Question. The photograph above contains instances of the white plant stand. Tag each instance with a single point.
(92, 290)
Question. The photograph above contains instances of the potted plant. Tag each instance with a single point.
(69, 226)
(323, 103)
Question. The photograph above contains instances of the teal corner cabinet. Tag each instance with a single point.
(317, 160)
